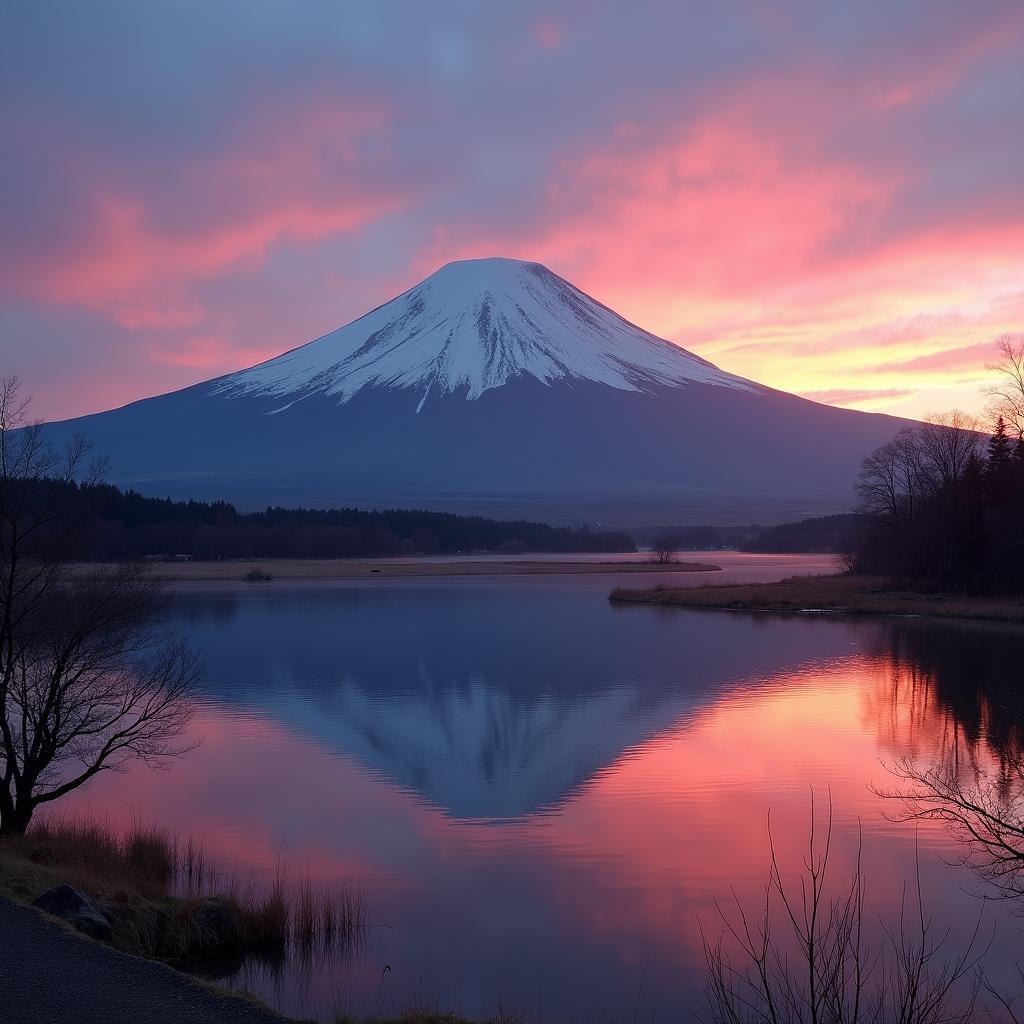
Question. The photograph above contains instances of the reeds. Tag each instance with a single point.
(96, 856)
(308, 916)
(167, 900)
(328, 917)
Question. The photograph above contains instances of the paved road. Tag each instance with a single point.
(48, 975)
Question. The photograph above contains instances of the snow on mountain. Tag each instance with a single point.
(494, 387)
(473, 326)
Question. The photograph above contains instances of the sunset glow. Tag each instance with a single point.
(829, 206)
(638, 858)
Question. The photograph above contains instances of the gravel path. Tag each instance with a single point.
(49, 975)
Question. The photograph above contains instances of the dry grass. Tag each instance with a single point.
(840, 594)
(399, 568)
(165, 900)
(92, 855)
(428, 1016)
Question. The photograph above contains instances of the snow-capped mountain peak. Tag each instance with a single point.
(472, 326)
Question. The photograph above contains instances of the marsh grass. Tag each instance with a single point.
(430, 1014)
(167, 900)
(93, 855)
(841, 594)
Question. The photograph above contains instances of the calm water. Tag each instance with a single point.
(543, 796)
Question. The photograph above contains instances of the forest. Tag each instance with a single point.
(942, 504)
(125, 525)
(942, 509)
(830, 534)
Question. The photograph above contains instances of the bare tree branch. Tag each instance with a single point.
(89, 682)
(822, 969)
(1007, 393)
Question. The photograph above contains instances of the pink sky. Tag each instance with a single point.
(826, 199)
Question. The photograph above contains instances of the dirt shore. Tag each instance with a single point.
(816, 594)
(389, 568)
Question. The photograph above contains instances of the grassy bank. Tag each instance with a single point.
(164, 900)
(840, 594)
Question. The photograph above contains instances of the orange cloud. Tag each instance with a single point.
(857, 397)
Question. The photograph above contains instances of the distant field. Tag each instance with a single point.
(846, 594)
(345, 569)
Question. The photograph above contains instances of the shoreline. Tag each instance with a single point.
(818, 595)
(295, 569)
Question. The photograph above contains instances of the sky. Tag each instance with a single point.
(825, 197)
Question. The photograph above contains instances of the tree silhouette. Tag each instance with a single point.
(665, 547)
(88, 681)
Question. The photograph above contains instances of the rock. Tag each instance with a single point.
(218, 917)
(77, 909)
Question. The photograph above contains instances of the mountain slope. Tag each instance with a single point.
(475, 325)
(493, 387)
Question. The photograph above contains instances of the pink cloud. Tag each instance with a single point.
(744, 236)
(547, 33)
(215, 355)
(137, 263)
(771, 218)
(857, 396)
(966, 357)
(716, 206)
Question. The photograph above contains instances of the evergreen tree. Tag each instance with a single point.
(1000, 468)
(1000, 451)
(969, 543)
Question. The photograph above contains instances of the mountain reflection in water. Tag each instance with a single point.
(542, 795)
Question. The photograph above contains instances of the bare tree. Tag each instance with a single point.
(892, 480)
(916, 464)
(88, 679)
(948, 442)
(981, 805)
(665, 547)
(1011, 1012)
(917, 496)
(1007, 393)
(824, 969)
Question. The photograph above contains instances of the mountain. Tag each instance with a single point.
(495, 387)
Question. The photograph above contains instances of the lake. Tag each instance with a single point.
(542, 796)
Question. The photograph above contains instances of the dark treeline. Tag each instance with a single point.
(698, 538)
(125, 525)
(944, 509)
(830, 534)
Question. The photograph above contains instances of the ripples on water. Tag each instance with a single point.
(543, 796)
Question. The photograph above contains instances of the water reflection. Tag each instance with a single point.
(540, 794)
(962, 760)
(490, 703)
